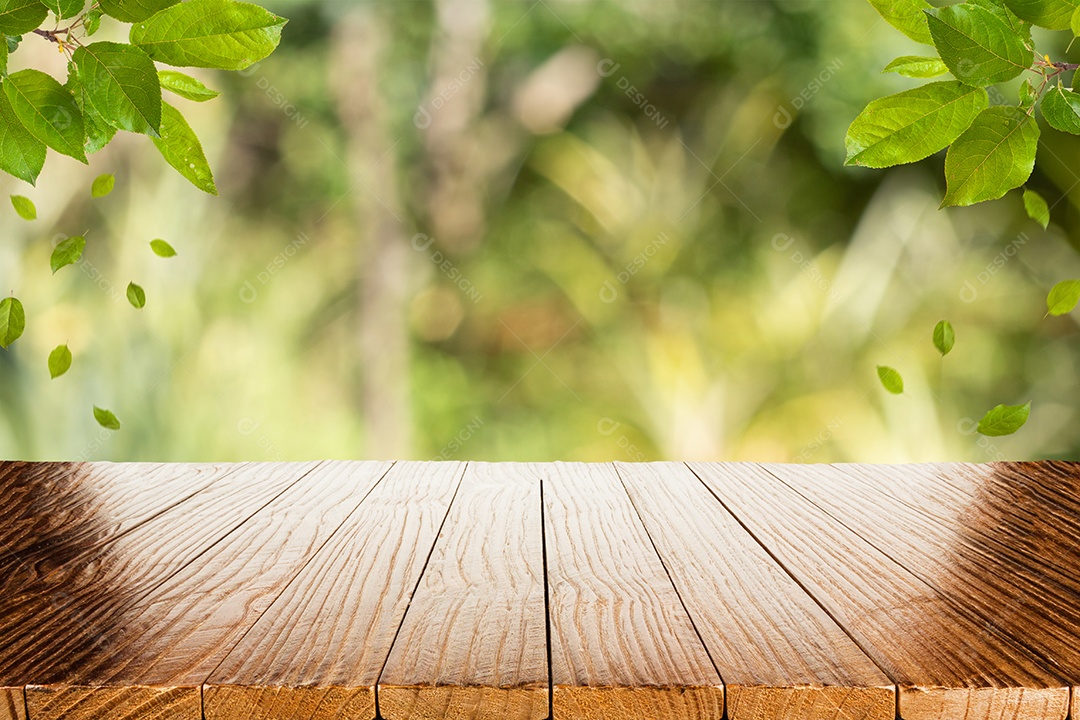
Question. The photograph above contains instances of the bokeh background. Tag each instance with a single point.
(541, 229)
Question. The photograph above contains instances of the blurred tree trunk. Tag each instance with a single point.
(382, 253)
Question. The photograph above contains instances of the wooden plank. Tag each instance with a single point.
(944, 662)
(781, 656)
(318, 650)
(56, 511)
(50, 628)
(622, 644)
(472, 644)
(970, 549)
(176, 634)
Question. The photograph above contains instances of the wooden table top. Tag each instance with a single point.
(419, 591)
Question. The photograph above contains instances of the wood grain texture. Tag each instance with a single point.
(12, 706)
(622, 643)
(945, 663)
(780, 655)
(971, 550)
(51, 628)
(318, 650)
(55, 512)
(472, 645)
(177, 633)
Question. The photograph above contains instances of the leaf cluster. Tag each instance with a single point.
(111, 86)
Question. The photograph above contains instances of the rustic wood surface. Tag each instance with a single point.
(422, 591)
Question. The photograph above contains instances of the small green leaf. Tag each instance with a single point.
(59, 361)
(181, 148)
(1036, 207)
(1029, 95)
(92, 21)
(944, 337)
(130, 11)
(136, 296)
(67, 252)
(24, 206)
(1004, 419)
(890, 379)
(913, 124)
(18, 17)
(1061, 108)
(102, 185)
(12, 321)
(209, 33)
(913, 66)
(106, 419)
(906, 16)
(185, 86)
(47, 110)
(98, 132)
(65, 9)
(162, 248)
(993, 156)
(121, 83)
(1052, 14)
(978, 47)
(21, 154)
(1063, 297)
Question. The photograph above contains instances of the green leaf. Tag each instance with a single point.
(12, 321)
(906, 16)
(18, 17)
(1061, 108)
(102, 185)
(181, 148)
(3, 57)
(24, 206)
(121, 83)
(1004, 420)
(185, 86)
(210, 33)
(1053, 14)
(13, 42)
(65, 9)
(130, 11)
(136, 296)
(993, 156)
(1018, 26)
(98, 132)
(913, 66)
(944, 337)
(890, 379)
(1063, 297)
(162, 248)
(1029, 95)
(1036, 207)
(47, 110)
(1074, 24)
(912, 125)
(978, 47)
(21, 154)
(106, 419)
(67, 252)
(92, 21)
(59, 361)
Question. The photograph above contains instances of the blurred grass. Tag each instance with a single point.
(691, 274)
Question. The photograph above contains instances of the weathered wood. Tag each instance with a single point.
(622, 644)
(318, 650)
(472, 645)
(971, 550)
(781, 656)
(945, 663)
(178, 633)
(50, 629)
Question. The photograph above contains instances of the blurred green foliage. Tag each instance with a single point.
(622, 230)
